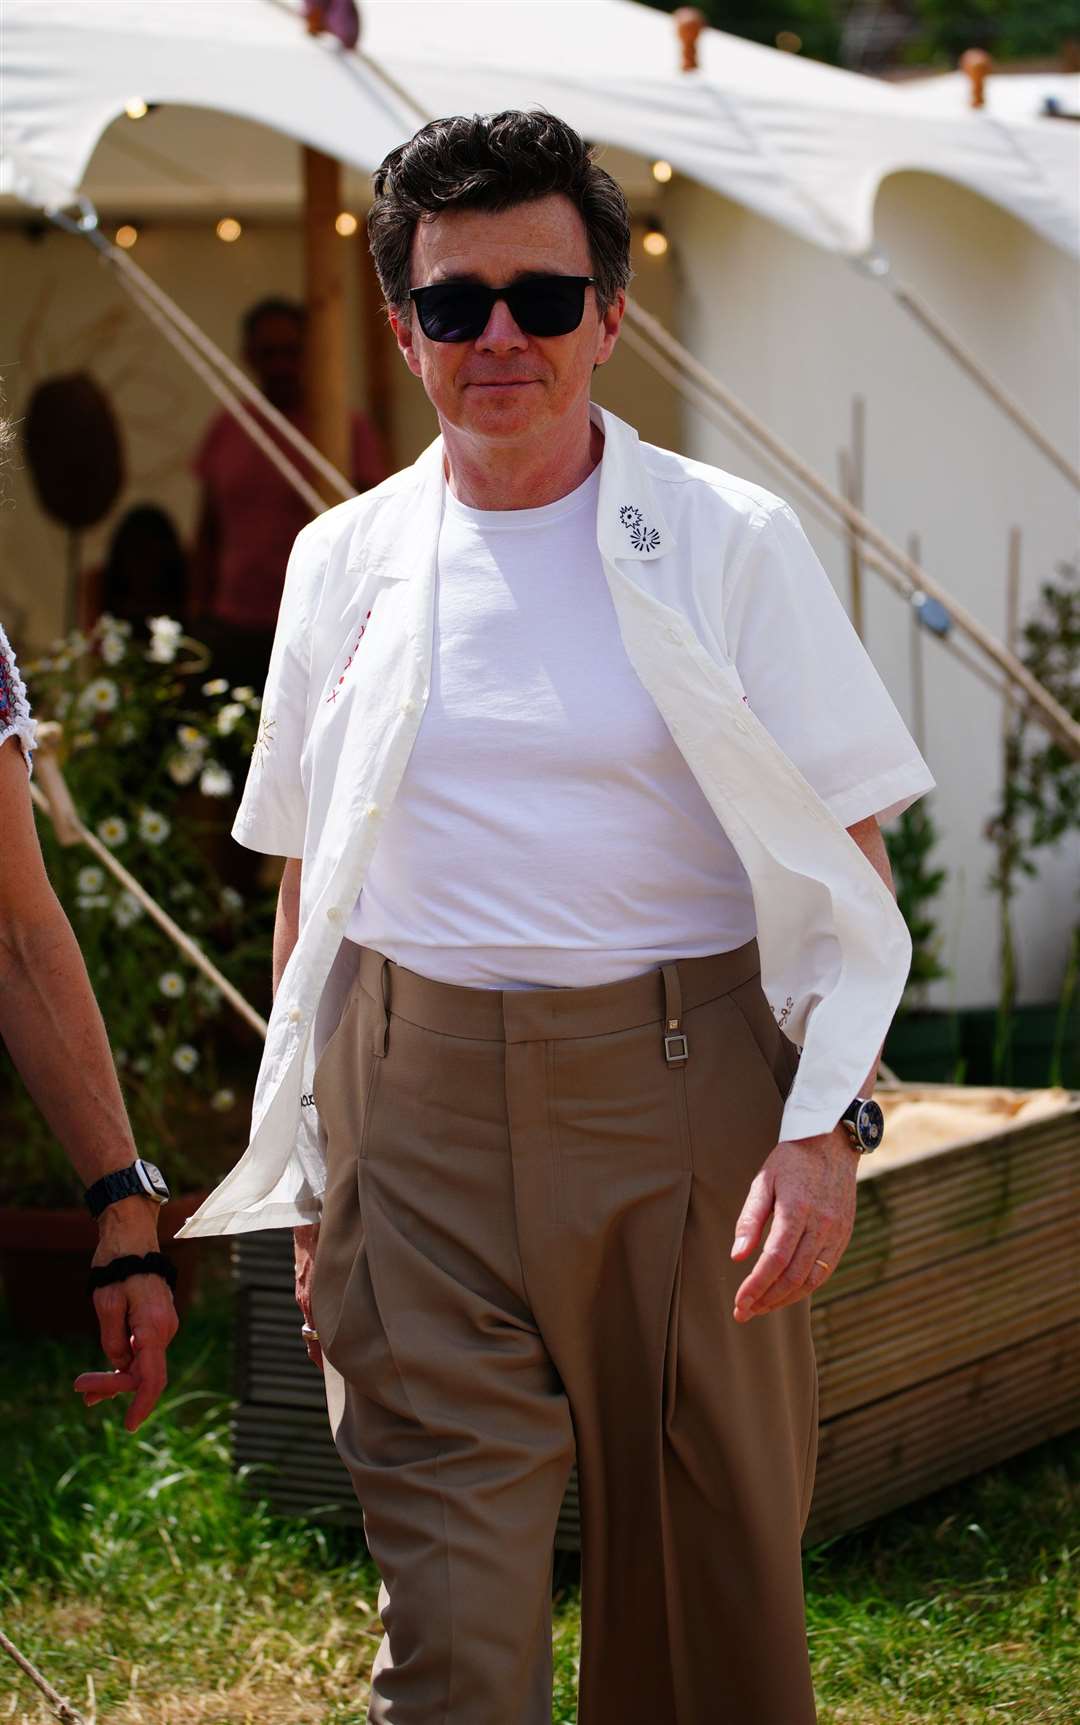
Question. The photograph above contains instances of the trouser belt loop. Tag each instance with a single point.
(382, 1042)
(676, 1047)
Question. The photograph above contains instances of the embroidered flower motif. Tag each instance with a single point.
(265, 739)
(786, 1012)
(642, 536)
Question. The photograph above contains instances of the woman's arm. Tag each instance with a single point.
(53, 1029)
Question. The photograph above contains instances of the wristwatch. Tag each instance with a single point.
(141, 1180)
(866, 1123)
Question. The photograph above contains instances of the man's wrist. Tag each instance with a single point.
(128, 1217)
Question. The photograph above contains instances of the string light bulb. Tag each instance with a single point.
(126, 236)
(136, 109)
(228, 229)
(655, 241)
(346, 224)
(662, 172)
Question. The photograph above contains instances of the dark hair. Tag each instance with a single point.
(492, 162)
(275, 305)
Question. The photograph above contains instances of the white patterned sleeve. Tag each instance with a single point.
(15, 719)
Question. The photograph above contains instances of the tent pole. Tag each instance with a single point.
(961, 356)
(324, 281)
(852, 466)
(651, 334)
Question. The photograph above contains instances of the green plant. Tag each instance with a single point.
(1040, 793)
(909, 843)
(152, 751)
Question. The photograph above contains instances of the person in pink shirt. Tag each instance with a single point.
(250, 514)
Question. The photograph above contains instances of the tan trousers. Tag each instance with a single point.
(525, 1252)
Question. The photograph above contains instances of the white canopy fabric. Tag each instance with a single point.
(804, 144)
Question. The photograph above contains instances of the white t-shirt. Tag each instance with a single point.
(547, 832)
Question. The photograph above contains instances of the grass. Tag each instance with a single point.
(152, 1590)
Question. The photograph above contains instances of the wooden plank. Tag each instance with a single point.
(889, 1453)
(902, 1332)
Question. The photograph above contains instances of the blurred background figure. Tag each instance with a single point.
(250, 514)
(145, 572)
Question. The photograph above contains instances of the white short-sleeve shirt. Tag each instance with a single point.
(730, 625)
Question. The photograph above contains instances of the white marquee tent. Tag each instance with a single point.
(786, 172)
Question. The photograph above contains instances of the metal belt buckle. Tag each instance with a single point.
(676, 1049)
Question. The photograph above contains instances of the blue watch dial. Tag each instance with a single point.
(869, 1124)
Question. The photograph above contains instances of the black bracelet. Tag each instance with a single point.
(154, 1264)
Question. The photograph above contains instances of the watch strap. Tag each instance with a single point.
(120, 1183)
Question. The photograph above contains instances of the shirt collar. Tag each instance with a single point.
(630, 526)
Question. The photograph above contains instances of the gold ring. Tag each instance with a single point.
(823, 1264)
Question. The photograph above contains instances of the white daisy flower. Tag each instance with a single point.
(222, 1100)
(190, 737)
(172, 984)
(216, 686)
(90, 879)
(93, 901)
(230, 716)
(183, 768)
(112, 831)
(114, 625)
(101, 695)
(84, 740)
(208, 994)
(154, 828)
(156, 1034)
(125, 732)
(165, 633)
(215, 781)
(140, 1064)
(112, 648)
(231, 899)
(245, 694)
(185, 1058)
(126, 910)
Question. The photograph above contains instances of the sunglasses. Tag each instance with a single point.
(539, 305)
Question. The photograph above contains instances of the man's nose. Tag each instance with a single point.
(501, 334)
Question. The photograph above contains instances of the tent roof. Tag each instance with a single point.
(804, 144)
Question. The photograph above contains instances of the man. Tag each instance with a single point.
(249, 513)
(561, 736)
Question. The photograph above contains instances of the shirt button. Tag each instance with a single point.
(408, 706)
(294, 1015)
(373, 812)
(334, 914)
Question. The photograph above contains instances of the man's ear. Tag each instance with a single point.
(402, 325)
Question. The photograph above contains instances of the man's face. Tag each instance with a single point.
(275, 353)
(506, 386)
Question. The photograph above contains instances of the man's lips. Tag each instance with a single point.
(499, 382)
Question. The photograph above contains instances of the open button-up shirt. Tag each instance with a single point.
(696, 562)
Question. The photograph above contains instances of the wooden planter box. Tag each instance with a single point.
(947, 1341)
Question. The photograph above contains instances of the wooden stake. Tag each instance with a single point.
(379, 355)
(918, 684)
(324, 274)
(852, 467)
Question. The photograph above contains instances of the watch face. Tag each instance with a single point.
(870, 1125)
(152, 1180)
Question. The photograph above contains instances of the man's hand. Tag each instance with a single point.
(137, 1317)
(305, 1242)
(806, 1187)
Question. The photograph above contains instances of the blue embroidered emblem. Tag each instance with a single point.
(642, 536)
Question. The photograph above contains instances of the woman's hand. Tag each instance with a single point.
(137, 1316)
